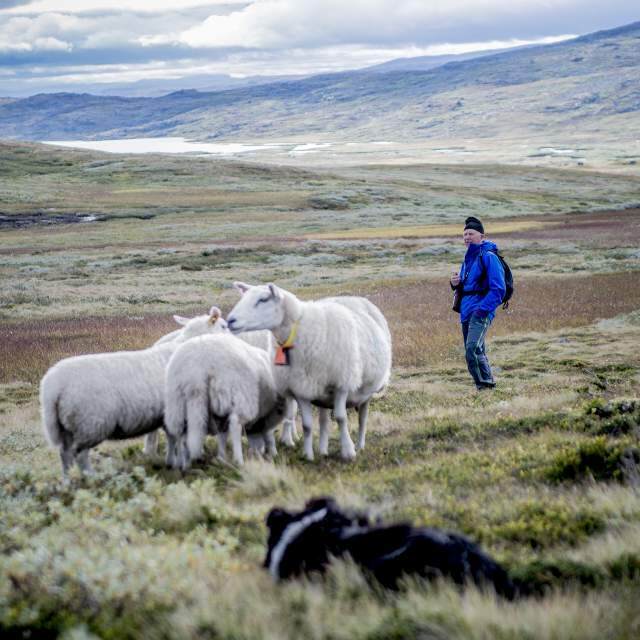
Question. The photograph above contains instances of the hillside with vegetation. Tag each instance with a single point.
(98, 251)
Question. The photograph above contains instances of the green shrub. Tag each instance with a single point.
(539, 576)
(626, 567)
(613, 418)
(597, 458)
(541, 525)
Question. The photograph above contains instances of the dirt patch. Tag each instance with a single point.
(42, 218)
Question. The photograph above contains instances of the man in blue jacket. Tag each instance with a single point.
(481, 278)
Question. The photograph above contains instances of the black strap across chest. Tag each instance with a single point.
(473, 292)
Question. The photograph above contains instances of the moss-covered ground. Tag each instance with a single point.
(544, 471)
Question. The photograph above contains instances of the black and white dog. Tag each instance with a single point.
(304, 542)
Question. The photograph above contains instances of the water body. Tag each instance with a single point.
(182, 145)
(165, 145)
(560, 152)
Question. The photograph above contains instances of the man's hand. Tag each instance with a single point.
(455, 279)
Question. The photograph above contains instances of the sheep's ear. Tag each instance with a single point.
(181, 320)
(242, 287)
(278, 519)
(214, 315)
(275, 292)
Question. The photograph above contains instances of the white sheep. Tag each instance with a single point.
(150, 447)
(88, 399)
(339, 355)
(220, 384)
(262, 340)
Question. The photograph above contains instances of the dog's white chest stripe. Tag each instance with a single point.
(290, 533)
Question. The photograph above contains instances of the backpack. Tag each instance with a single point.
(508, 279)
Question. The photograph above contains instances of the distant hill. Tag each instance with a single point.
(424, 63)
(573, 85)
(154, 87)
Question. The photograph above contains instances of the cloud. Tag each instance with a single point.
(271, 24)
(110, 31)
(298, 62)
(48, 32)
(90, 6)
(169, 38)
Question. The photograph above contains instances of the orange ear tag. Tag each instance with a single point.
(282, 356)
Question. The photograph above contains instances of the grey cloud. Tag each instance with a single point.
(107, 55)
(284, 23)
(26, 34)
(279, 36)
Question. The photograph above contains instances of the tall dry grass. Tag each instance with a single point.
(28, 349)
(425, 331)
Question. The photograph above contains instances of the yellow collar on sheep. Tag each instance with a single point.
(288, 343)
(282, 355)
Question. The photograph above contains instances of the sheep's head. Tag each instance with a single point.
(261, 307)
(213, 322)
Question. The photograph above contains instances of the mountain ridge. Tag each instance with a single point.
(589, 77)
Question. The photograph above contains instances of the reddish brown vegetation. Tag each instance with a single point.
(597, 229)
(425, 330)
(28, 349)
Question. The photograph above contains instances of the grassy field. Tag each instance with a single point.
(543, 472)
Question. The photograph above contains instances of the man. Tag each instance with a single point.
(482, 283)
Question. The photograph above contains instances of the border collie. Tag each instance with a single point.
(303, 542)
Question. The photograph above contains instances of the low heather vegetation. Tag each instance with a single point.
(543, 472)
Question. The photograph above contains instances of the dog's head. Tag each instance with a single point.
(302, 542)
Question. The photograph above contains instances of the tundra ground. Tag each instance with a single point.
(543, 471)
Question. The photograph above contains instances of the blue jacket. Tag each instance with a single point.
(490, 276)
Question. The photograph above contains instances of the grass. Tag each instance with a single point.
(543, 472)
(424, 231)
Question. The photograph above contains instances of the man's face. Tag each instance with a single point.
(471, 236)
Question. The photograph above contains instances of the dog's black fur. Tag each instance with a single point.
(387, 553)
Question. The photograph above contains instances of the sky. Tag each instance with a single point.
(80, 45)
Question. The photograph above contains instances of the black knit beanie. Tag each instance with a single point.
(473, 223)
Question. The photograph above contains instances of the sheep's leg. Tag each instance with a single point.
(197, 425)
(270, 443)
(183, 458)
(177, 452)
(340, 414)
(256, 445)
(294, 425)
(363, 412)
(151, 443)
(235, 431)
(307, 427)
(295, 434)
(325, 425)
(84, 463)
(171, 450)
(67, 460)
(289, 435)
(222, 446)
